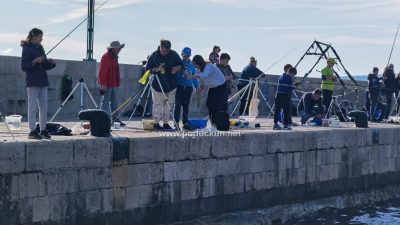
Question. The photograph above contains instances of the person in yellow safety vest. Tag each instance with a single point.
(328, 78)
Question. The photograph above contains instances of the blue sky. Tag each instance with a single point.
(362, 31)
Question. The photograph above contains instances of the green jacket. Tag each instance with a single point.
(327, 84)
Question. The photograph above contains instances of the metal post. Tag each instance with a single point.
(90, 31)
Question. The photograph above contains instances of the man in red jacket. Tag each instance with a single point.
(109, 78)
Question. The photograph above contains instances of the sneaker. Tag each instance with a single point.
(277, 127)
(157, 127)
(187, 127)
(45, 134)
(120, 122)
(34, 135)
(287, 127)
(166, 126)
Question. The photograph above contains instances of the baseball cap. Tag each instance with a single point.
(186, 51)
(331, 60)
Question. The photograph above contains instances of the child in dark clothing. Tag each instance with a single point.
(283, 98)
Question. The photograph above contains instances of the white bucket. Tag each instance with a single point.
(335, 123)
(14, 122)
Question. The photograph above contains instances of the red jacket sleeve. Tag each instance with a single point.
(104, 70)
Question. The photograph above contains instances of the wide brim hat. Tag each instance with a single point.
(115, 44)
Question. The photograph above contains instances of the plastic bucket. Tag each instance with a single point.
(335, 123)
(198, 123)
(13, 122)
(148, 124)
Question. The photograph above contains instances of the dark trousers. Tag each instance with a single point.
(283, 101)
(367, 102)
(217, 101)
(245, 99)
(373, 98)
(389, 97)
(182, 100)
(326, 99)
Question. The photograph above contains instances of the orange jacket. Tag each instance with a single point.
(109, 71)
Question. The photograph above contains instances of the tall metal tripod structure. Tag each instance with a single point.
(90, 31)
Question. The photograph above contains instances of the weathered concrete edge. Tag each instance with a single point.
(279, 204)
(288, 213)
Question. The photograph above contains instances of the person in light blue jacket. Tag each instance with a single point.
(184, 89)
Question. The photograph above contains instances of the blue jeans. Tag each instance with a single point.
(305, 116)
(110, 98)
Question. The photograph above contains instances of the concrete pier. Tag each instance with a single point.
(143, 178)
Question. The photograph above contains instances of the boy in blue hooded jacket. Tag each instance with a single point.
(184, 89)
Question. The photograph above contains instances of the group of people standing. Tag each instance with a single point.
(315, 104)
(388, 85)
(175, 77)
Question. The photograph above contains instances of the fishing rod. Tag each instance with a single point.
(280, 59)
(76, 28)
(394, 42)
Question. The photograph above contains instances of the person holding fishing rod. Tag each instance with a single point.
(283, 98)
(109, 78)
(391, 87)
(35, 64)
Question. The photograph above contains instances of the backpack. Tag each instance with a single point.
(66, 87)
(56, 129)
(222, 121)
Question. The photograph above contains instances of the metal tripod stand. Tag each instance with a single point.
(83, 87)
(147, 89)
(333, 106)
(242, 95)
(396, 106)
(9, 131)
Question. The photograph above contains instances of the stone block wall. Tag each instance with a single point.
(154, 180)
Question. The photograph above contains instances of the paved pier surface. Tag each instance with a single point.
(134, 129)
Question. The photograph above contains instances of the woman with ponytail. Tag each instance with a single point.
(35, 64)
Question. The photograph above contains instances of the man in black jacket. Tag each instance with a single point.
(164, 64)
(310, 105)
(374, 87)
(391, 86)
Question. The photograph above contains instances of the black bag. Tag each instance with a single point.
(56, 129)
(222, 121)
(100, 121)
(66, 87)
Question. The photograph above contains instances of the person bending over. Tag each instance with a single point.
(310, 105)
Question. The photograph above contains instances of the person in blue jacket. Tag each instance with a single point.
(283, 98)
(35, 64)
(184, 89)
(249, 72)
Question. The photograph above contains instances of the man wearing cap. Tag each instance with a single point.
(165, 64)
(109, 78)
(184, 89)
(328, 77)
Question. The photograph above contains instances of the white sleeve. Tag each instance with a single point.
(206, 73)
